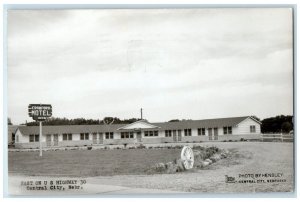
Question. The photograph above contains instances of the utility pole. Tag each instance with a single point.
(141, 113)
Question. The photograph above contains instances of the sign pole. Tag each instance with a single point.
(39, 113)
(41, 152)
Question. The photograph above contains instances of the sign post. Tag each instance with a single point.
(40, 112)
(41, 151)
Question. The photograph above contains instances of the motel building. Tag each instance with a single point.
(140, 132)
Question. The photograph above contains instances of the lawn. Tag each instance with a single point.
(127, 167)
(89, 162)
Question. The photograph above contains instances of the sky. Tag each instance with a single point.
(173, 63)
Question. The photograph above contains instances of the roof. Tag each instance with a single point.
(12, 128)
(26, 130)
(206, 123)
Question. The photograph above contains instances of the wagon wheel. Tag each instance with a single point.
(187, 157)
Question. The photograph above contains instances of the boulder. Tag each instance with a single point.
(215, 157)
(171, 167)
(208, 160)
(179, 165)
(205, 163)
(160, 167)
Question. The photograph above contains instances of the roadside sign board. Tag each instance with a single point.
(40, 112)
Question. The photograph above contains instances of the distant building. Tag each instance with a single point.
(140, 132)
(11, 134)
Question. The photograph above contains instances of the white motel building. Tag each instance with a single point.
(140, 132)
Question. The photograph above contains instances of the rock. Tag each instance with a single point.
(208, 160)
(223, 155)
(171, 167)
(215, 157)
(179, 165)
(160, 167)
(205, 163)
(196, 153)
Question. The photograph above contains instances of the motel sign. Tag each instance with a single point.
(40, 112)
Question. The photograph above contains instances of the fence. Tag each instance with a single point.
(277, 137)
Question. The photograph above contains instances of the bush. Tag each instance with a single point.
(141, 146)
(177, 147)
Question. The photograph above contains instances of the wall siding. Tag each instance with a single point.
(243, 128)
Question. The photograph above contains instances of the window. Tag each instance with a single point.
(84, 136)
(67, 136)
(227, 130)
(109, 135)
(17, 138)
(126, 135)
(34, 138)
(187, 132)
(151, 133)
(201, 131)
(31, 138)
(168, 133)
(252, 129)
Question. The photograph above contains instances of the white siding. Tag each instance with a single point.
(243, 128)
(22, 138)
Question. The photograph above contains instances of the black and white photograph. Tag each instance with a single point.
(150, 101)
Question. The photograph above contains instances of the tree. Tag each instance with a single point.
(277, 124)
(286, 127)
(174, 120)
(9, 121)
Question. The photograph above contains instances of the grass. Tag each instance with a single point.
(246, 158)
(88, 162)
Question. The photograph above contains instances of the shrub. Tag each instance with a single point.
(177, 147)
(89, 148)
(141, 146)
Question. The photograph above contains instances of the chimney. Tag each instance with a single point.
(141, 113)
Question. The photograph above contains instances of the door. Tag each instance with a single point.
(174, 136)
(100, 138)
(55, 140)
(48, 140)
(215, 133)
(210, 134)
(139, 136)
(179, 135)
(94, 138)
